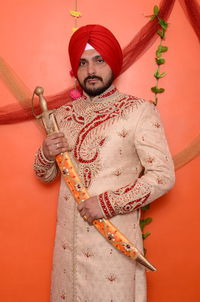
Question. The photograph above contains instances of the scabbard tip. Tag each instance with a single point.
(142, 260)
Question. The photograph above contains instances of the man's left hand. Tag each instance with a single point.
(90, 209)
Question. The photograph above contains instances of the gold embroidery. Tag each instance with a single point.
(156, 124)
(150, 159)
(160, 181)
(63, 296)
(123, 133)
(67, 197)
(117, 172)
(111, 277)
(88, 253)
(64, 246)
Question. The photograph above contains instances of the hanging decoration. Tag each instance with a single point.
(192, 11)
(75, 92)
(156, 90)
(159, 52)
(75, 14)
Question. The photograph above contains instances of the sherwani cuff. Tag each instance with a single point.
(42, 164)
(43, 157)
(105, 205)
(126, 199)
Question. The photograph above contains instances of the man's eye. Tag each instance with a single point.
(82, 63)
(100, 60)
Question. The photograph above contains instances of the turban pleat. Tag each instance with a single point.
(102, 40)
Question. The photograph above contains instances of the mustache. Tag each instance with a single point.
(92, 77)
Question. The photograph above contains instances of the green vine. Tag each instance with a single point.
(144, 222)
(156, 90)
(159, 52)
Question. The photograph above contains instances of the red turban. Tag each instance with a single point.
(102, 40)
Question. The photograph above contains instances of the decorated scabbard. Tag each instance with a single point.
(71, 177)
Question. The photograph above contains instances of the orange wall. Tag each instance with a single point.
(34, 37)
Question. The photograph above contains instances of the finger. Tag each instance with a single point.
(80, 206)
(56, 135)
(59, 145)
(60, 142)
(90, 220)
(63, 149)
(83, 213)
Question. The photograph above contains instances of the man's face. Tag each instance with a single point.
(94, 74)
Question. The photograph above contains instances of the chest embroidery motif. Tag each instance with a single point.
(87, 123)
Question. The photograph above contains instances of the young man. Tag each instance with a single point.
(117, 143)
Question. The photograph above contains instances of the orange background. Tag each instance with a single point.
(34, 38)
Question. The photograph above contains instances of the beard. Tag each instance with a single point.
(96, 91)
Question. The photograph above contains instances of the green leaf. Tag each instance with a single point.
(145, 208)
(159, 75)
(152, 17)
(156, 10)
(163, 23)
(160, 61)
(160, 90)
(158, 54)
(144, 236)
(144, 222)
(156, 90)
(162, 48)
(156, 74)
(161, 33)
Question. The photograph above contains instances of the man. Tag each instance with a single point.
(118, 147)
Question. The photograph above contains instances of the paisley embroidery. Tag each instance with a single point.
(86, 118)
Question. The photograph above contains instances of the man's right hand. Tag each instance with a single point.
(54, 144)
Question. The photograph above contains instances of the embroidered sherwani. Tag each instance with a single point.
(118, 147)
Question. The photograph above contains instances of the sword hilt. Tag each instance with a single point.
(47, 116)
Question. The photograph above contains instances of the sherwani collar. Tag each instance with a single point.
(108, 95)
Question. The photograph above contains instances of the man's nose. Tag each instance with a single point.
(91, 68)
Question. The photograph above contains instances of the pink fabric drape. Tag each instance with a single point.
(192, 11)
(131, 53)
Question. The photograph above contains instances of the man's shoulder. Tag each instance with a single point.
(64, 107)
(135, 101)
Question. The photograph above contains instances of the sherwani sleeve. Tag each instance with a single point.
(46, 170)
(158, 169)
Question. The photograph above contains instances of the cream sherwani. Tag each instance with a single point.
(119, 148)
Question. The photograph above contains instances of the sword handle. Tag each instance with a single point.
(47, 116)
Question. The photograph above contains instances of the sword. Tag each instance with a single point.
(79, 192)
